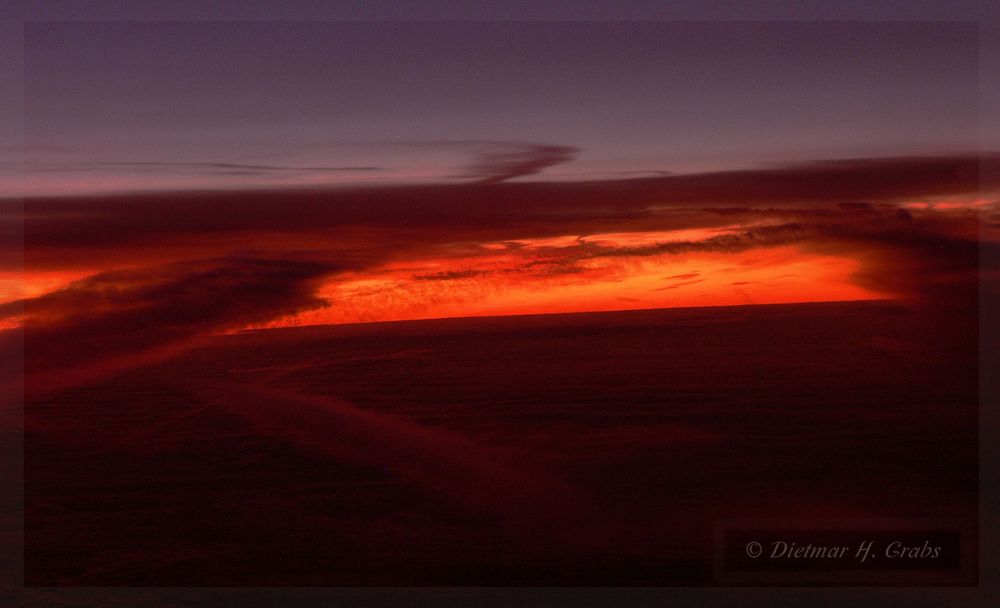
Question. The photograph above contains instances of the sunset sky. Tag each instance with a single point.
(118, 106)
(492, 294)
(184, 178)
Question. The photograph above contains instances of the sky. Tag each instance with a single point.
(113, 106)
(180, 179)
(165, 179)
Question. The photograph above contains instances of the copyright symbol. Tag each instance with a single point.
(754, 549)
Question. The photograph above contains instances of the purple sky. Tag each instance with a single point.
(148, 105)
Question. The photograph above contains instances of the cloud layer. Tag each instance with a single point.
(161, 268)
(127, 313)
(499, 163)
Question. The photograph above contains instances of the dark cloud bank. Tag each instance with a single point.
(209, 261)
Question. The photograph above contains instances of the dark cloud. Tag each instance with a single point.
(69, 230)
(499, 163)
(764, 236)
(922, 258)
(129, 312)
(363, 225)
(567, 259)
(450, 275)
(678, 284)
(237, 167)
(495, 161)
(187, 168)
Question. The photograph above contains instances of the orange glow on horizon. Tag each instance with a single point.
(560, 274)
(496, 286)
(22, 285)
